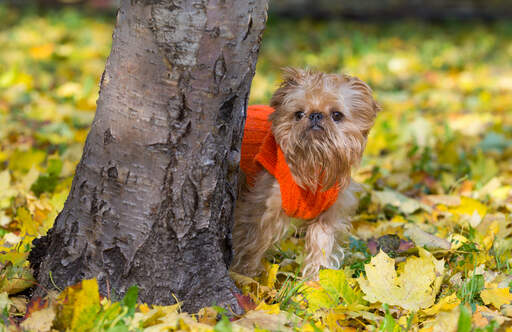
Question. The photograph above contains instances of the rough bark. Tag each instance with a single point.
(152, 199)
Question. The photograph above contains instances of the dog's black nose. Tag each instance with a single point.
(316, 117)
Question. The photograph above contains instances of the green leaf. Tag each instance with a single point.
(14, 279)
(54, 166)
(389, 324)
(130, 299)
(224, 325)
(464, 323)
(44, 184)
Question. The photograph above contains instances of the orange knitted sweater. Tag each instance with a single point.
(260, 150)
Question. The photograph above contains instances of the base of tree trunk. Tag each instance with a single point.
(152, 199)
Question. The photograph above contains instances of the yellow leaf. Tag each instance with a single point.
(79, 305)
(489, 237)
(81, 135)
(161, 319)
(470, 209)
(250, 286)
(333, 320)
(336, 284)
(415, 288)
(268, 308)
(69, 89)
(271, 275)
(496, 296)
(445, 321)
(144, 308)
(27, 223)
(6, 192)
(12, 256)
(42, 52)
(447, 303)
(456, 241)
(29, 179)
(318, 298)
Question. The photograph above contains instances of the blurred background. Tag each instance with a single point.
(441, 70)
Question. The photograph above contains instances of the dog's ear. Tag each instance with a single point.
(292, 77)
(363, 94)
(362, 102)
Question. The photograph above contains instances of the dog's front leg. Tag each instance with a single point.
(320, 241)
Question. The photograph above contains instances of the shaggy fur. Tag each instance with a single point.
(319, 153)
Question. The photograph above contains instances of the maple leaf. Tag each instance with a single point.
(415, 288)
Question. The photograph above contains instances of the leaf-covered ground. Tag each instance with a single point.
(431, 247)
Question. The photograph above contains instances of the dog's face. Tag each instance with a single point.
(321, 122)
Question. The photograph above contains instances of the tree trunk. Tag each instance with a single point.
(152, 199)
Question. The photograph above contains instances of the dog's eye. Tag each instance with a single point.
(337, 116)
(299, 115)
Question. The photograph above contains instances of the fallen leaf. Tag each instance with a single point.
(14, 279)
(5, 303)
(414, 289)
(270, 275)
(263, 320)
(424, 239)
(445, 321)
(484, 316)
(331, 290)
(40, 321)
(268, 308)
(457, 241)
(447, 303)
(42, 52)
(496, 296)
(405, 204)
(166, 318)
(78, 306)
(447, 200)
(469, 210)
(245, 302)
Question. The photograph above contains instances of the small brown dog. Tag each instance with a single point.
(297, 157)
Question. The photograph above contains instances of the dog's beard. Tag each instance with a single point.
(320, 159)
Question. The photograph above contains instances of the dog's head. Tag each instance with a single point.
(321, 122)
